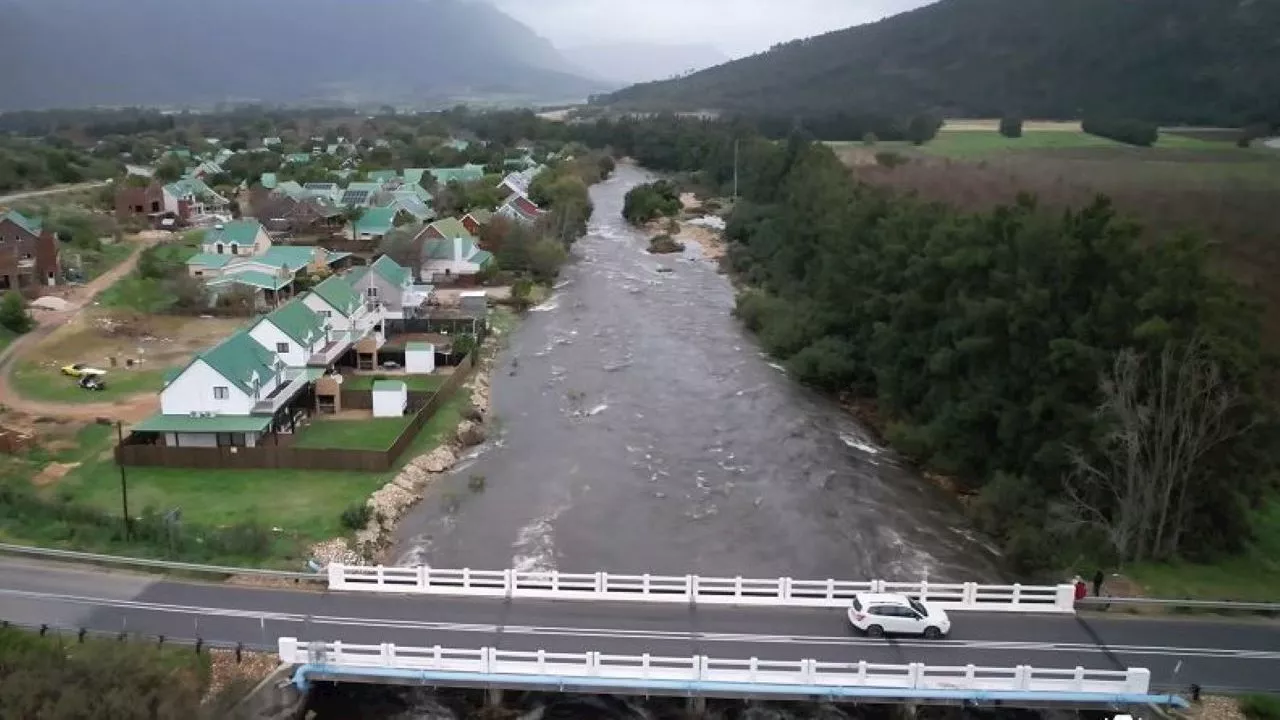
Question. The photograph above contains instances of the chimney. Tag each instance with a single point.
(457, 249)
(319, 259)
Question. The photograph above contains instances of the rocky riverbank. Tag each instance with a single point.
(389, 503)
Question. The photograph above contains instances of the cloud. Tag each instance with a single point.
(738, 27)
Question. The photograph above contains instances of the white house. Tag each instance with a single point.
(350, 320)
(229, 395)
(294, 333)
(449, 250)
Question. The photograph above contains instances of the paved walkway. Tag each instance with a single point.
(47, 322)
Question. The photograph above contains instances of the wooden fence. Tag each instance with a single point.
(284, 456)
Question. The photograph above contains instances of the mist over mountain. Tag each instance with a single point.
(641, 62)
(62, 53)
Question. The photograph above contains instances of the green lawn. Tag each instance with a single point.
(94, 263)
(424, 383)
(1253, 576)
(365, 434)
(40, 382)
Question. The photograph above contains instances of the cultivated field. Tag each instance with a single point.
(1193, 180)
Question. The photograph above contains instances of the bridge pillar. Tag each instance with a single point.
(696, 706)
(493, 697)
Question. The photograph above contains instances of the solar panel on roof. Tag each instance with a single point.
(355, 197)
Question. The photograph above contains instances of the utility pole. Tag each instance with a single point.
(124, 484)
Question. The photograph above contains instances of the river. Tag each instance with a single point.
(640, 429)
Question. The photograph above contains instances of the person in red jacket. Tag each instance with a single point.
(1081, 588)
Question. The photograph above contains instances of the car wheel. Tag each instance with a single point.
(932, 633)
(875, 631)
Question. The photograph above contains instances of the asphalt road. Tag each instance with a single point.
(1219, 654)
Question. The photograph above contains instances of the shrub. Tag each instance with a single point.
(13, 313)
(1011, 126)
(356, 516)
(649, 201)
(890, 159)
(1260, 707)
(1128, 131)
(870, 139)
(665, 244)
(923, 128)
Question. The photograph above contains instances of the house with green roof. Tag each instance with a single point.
(464, 174)
(269, 181)
(391, 285)
(232, 394)
(297, 158)
(241, 254)
(294, 333)
(349, 318)
(191, 197)
(450, 251)
(382, 177)
(376, 222)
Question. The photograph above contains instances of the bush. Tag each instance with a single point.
(1260, 707)
(870, 139)
(1011, 126)
(356, 516)
(1130, 132)
(890, 159)
(13, 313)
(923, 128)
(649, 201)
(665, 244)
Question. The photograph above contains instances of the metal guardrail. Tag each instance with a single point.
(76, 556)
(808, 673)
(1106, 601)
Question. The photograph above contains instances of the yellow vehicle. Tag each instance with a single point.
(81, 370)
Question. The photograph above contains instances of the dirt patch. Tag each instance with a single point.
(690, 202)
(1216, 707)
(52, 473)
(98, 337)
(709, 241)
(224, 670)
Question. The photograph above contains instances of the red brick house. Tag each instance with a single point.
(145, 202)
(475, 221)
(29, 254)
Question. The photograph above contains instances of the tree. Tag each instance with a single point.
(1011, 126)
(1160, 423)
(13, 313)
(402, 246)
(170, 169)
(923, 128)
(869, 139)
(351, 216)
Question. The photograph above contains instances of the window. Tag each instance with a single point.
(220, 392)
(326, 314)
(235, 249)
(218, 248)
(372, 292)
(198, 273)
(282, 348)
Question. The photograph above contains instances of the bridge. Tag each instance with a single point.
(655, 635)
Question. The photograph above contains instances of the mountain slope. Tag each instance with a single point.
(83, 52)
(1193, 61)
(639, 62)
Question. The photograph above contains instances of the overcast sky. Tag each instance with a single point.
(736, 27)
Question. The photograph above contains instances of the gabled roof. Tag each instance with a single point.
(240, 359)
(236, 232)
(377, 221)
(481, 216)
(413, 176)
(299, 322)
(191, 187)
(255, 279)
(31, 225)
(464, 174)
(450, 227)
(339, 294)
(290, 188)
(367, 186)
(297, 158)
(383, 176)
(412, 204)
(392, 271)
(209, 260)
(294, 257)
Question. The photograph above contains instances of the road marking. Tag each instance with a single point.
(626, 634)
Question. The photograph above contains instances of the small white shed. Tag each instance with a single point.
(474, 301)
(390, 398)
(419, 358)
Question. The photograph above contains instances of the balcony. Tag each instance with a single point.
(292, 381)
(339, 342)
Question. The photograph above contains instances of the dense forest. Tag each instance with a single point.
(29, 164)
(1194, 62)
(1099, 397)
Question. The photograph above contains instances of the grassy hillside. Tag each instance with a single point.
(1184, 61)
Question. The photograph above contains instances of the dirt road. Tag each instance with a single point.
(47, 322)
(28, 194)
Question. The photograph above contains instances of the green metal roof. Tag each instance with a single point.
(437, 249)
(377, 221)
(214, 424)
(369, 187)
(31, 225)
(481, 258)
(356, 274)
(339, 294)
(482, 216)
(239, 359)
(297, 158)
(464, 174)
(209, 260)
(253, 278)
(450, 227)
(389, 386)
(269, 181)
(298, 321)
(382, 176)
(413, 176)
(290, 188)
(392, 271)
(236, 232)
(419, 345)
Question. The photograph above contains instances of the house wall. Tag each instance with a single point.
(26, 259)
(193, 391)
(336, 321)
(451, 267)
(420, 361)
(268, 336)
(141, 201)
(391, 296)
(261, 243)
(190, 440)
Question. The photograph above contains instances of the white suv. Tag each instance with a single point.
(878, 613)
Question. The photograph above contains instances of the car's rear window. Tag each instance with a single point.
(915, 605)
(857, 605)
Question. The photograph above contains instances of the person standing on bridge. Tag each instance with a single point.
(1081, 588)
(1098, 578)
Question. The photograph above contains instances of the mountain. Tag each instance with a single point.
(1188, 61)
(639, 62)
(61, 53)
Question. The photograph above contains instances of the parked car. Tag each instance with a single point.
(92, 382)
(879, 613)
(80, 370)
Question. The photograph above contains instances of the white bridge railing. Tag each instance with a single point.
(690, 589)
(700, 668)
